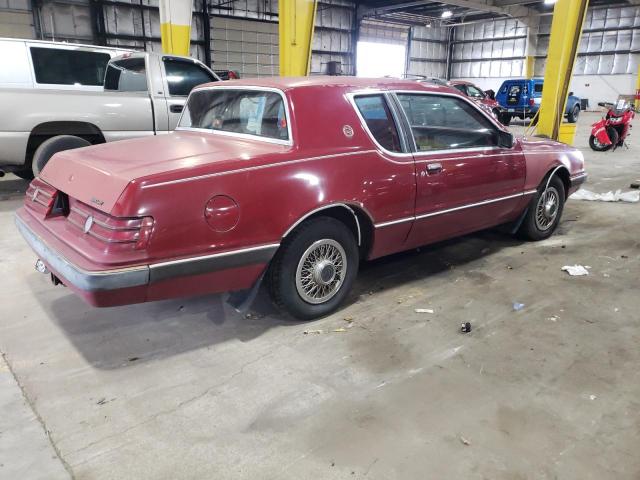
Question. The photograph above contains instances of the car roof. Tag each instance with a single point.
(345, 82)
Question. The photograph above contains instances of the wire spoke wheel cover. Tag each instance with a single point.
(547, 208)
(321, 271)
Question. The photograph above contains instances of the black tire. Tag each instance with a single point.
(572, 116)
(505, 118)
(53, 145)
(25, 174)
(597, 146)
(283, 271)
(614, 136)
(533, 226)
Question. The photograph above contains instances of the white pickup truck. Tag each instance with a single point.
(143, 94)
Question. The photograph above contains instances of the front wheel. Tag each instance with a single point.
(595, 144)
(314, 269)
(545, 210)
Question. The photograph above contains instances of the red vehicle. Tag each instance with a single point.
(252, 183)
(613, 129)
(478, 96)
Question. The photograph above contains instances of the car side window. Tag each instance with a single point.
(127, 75)
(444, 123)
(474, 92)
(461, 88)
(68, 67)
(183, 75)
(377, 116)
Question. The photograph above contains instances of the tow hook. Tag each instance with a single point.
(41, 267)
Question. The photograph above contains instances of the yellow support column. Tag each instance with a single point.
(296, 19)
(175, 26)
(529, 67)
(566, 28)
(637, 102)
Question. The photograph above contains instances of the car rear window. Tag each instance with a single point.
(238, 111)
(537, 88)
(59, 66)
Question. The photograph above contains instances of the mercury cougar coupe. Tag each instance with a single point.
(294, 180)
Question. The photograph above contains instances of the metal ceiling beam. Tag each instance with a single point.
(488, 6)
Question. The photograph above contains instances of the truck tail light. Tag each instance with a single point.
(531, 102)
(146, 227)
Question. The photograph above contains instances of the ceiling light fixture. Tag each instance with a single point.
(448, 13)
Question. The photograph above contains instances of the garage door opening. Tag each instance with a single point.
(380, 59)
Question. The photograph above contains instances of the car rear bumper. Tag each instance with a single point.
(576, 180)
(225, 271)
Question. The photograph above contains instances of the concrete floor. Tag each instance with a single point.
(191, 389)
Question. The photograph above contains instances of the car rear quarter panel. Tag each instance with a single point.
(544, 155)
(324, 167)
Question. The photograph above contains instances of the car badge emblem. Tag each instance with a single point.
(87, 224)
(348, 131)
(35, 194)
(97, 201)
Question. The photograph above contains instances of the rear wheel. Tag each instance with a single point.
(53, 145)
(505, 118)
(572, 116)
(545, 210)
(314, 269)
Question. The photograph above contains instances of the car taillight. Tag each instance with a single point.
(531, 102)
(232, 75)
(117, 232)
(146, 227)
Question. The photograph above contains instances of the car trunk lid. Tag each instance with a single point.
(98, 175)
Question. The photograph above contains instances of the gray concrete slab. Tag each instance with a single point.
(25, 450)
(191, 389)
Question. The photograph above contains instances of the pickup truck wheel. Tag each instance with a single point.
(314, 269)
(545, 210)
(572, 116)
(53, 145)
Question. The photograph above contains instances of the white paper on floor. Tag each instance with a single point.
(617, 196)
(575, 270)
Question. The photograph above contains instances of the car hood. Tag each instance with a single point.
(98, 175)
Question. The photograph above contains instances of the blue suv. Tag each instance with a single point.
(521, 98)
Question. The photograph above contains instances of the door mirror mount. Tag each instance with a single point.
(505, 139)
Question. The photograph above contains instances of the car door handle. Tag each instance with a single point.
(175, 108)
(434, 168)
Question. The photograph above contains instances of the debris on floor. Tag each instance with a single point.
(311, 332)
(575, 270)
(465, 327)
(617, 196)
(464, 441)
(635, 185)
(424, 310)
(517, 306)
(553, 318)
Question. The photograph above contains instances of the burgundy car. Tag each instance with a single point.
(478, 96)
(295, 180)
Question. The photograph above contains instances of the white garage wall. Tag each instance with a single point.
(428, 51)
(16, 19)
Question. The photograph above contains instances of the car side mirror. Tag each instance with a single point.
(505, 139)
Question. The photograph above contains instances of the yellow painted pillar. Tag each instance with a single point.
(566, 28)
(529, 67)
(532, 46)
(175, 26)
(296, 19)
(637, 102)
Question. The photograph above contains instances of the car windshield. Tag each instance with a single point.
(242, 111)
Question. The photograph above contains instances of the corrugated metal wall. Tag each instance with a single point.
(428, 51)
(489, 49)
(496, 49)
(16, 19)
(610, 45)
